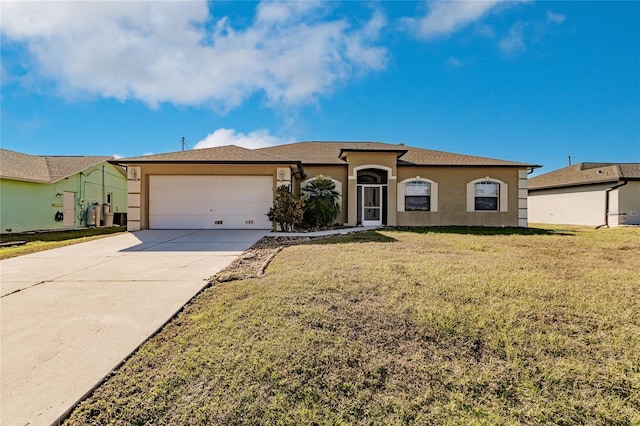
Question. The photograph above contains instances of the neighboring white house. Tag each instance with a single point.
(587, 194)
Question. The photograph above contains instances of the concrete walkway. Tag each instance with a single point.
(70, 315)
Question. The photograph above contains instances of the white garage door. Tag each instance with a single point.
(210, 202)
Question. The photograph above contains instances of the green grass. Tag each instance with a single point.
(399, 327)
(41, 241)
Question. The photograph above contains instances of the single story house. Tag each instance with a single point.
(380, 184)
(55, 192)
(587, 194)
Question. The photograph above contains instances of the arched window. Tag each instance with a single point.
(487, 195)
(417, 196)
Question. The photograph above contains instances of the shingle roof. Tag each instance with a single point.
(43, 168)
(329, 153)
(585, 174)
(222, 154)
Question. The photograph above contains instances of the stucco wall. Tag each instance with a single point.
(629, 202)
(582, 205)
(338, 173)
(452, 197)
(27, 206)
(452, 189)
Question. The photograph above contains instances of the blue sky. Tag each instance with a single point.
(525, 81)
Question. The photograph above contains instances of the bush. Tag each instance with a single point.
(287, 210)
(321, 206)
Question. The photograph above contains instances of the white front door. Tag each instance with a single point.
(371, 205)
(69, 209)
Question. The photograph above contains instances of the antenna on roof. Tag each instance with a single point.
(570, 157)
(183, 144)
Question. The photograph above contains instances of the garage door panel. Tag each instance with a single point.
(210, 202)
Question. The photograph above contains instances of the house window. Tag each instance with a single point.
(487, 196)
(417, 196)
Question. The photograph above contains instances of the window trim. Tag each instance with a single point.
(433, 201)
(503, 195)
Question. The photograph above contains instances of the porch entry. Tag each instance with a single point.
(372, 197)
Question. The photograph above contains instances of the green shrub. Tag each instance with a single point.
(287, 210)
(321, 206)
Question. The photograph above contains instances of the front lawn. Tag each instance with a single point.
(402, 327)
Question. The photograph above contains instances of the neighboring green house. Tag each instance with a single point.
(56, 192)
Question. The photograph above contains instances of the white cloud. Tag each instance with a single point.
(161, 51)
(256, 139)
(555, 18)
(514, 42)
(446, 17)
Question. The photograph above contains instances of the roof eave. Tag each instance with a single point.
(121, 162)
(18, 179)
(568, 185)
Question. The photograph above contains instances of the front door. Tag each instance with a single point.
(69, 209)
(371, 205)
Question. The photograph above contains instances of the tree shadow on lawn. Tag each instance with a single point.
(476, 230)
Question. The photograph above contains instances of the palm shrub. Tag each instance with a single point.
(287, 210)
(321, 206)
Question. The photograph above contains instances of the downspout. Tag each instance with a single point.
(104, 194)
(606, 203)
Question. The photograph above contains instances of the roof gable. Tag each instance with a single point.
(43, 169)
(585, 174)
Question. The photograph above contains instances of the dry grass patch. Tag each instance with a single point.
(401, 327)
(41, 241)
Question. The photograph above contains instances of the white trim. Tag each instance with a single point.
(133, 186)
(133, 213)
(133, 200)
(389, 170)
(522, 203)
(434, 193)
(503, 202)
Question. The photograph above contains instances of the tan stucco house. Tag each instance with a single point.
(598, 194)
(380, 184)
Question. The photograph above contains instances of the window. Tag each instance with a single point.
(417, 196)
(487, 196)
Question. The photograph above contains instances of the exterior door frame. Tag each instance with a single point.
(379, 205)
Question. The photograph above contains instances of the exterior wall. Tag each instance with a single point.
(364, 160)
(452, 183)
(629, 202)
(452, 196)
(138, 183)
(338, 173)
(28, 206)
(581, 205)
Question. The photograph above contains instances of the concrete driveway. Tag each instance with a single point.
(70, 315)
